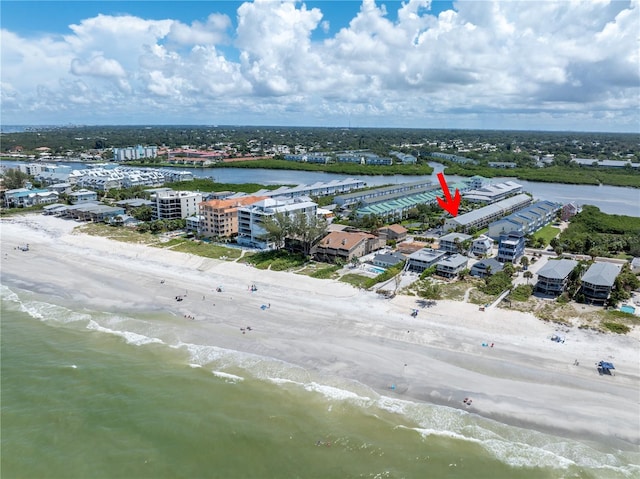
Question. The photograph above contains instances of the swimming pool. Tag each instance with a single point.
(375, 269)
(625, 308)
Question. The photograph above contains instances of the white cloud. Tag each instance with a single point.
(98, 66)
(570, 63)
(210, 33)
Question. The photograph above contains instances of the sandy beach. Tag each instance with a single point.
(335, 331)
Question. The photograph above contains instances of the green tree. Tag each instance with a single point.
(509, 269)
(497, 283)
(277, 226)
(142, 213)
(14, 178)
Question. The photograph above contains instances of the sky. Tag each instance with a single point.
(567, 65)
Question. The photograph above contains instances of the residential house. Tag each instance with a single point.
(95, 212)
(453, 242)
(554, 276)
(510, 247)
(83, 196)
(569, 211)
(54, 209)
(394, 232)
(61, 188)
(220, 217)
(192, 223)
(423, 259)
(344, 246)
(486, 267)
(25, 197)
(386, 260)
(123, 220)
(451, 266)
(482, 246)
(598, 282)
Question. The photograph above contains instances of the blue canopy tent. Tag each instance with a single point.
(605, 367)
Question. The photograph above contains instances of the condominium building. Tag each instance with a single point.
(173, 205)
(251, 230)
(385, 193)
(309, 158)
(483, 216)
(492, 193)
(135, 153)
(526, 220)
(219, 218)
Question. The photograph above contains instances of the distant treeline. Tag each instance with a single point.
(378, 140)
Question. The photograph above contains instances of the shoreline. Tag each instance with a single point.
(336, 331)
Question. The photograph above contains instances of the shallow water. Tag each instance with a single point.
(92, 394)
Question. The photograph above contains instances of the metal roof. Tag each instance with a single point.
(602, 274)
(557, 269)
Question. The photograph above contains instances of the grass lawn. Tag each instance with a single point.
(357, 280)
(325, 272)
(126, 235)
(198, 248)
(547, 233)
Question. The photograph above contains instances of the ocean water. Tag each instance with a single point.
(88, 394)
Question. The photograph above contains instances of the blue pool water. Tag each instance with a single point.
(375, 269)
(627, 309)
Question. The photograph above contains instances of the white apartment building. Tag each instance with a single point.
(134, 153)
(251, 231)
(174, 205)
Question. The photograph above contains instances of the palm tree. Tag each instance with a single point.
(528, 275)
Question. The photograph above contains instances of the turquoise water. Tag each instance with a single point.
(375, 269)
(88, 394)
(627, 309)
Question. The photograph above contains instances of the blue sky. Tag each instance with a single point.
(543, 65)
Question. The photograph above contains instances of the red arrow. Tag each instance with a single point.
(449, 204)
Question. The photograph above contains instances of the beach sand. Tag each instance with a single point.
(338, 332)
